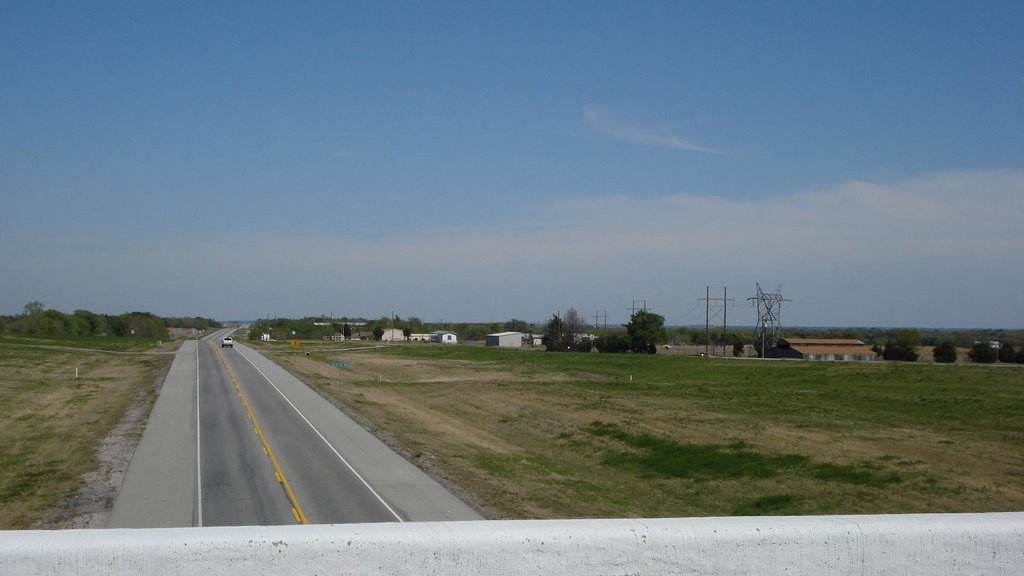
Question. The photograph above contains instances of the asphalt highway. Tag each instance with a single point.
(233, 440)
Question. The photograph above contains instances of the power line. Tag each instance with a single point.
(634, 308)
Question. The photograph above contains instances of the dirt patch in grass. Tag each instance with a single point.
(68, 439)
(514, 430)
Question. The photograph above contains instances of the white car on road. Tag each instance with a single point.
(227, 342)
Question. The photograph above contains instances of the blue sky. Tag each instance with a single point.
(468, 162)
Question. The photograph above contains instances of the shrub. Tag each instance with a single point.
(945, 352)
(1007, 354)
(983, 353)
(903, 346)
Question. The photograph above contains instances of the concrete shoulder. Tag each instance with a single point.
(160, 485)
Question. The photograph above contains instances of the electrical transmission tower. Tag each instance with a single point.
(769, 325)
(713, 308)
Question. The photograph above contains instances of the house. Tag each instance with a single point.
(419, 337)
(827, 349)
(393, 335)
(505, 339)
(444, 337)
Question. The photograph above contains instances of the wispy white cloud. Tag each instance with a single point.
(600, 122)
(910, 252)
(940, 250)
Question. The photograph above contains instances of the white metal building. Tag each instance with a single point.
(505, 339)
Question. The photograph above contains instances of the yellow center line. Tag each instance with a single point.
(300, 516)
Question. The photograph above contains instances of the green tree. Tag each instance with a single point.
(573, 326)
(1007, 354)
(514, 325)
(680, 336)
(560, 334)
(738, 345)
(612, 342)
(141, 324)
(945, 352)
(34, 307)
(646, 330)
(93, 324)
(983, 353)
(902, 346)
(554, 335)
(475, 333)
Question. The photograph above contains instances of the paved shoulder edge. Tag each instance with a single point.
(159, 488)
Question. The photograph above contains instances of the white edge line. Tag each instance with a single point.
(199, 453)
(329, 445)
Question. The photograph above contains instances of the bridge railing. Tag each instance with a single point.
(821, 545)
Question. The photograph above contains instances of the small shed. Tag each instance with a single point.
(505, 339)
(393, 335)
(444, 337)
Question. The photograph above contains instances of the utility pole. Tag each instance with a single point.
(707, 320)
(725, 323)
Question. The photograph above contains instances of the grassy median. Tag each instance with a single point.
(52, 423)
(529, 434)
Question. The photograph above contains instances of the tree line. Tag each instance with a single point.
(646, 330)
(316, 328)
(569, 333)
(37, 320)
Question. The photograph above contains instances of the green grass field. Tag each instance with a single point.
(528, 434)
(52, 423)
(538, 435)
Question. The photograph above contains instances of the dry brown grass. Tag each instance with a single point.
(51, 424)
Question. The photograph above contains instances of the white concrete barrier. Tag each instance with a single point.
(820, 545)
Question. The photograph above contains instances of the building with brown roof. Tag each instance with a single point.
(823, 349)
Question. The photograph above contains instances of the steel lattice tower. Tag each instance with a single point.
(769, 325)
